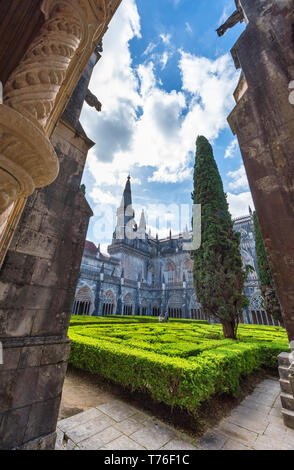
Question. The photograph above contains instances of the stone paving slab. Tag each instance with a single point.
(89, 429)
(231, 444)
(123, 443)
(100, 439)
(153, 436)
(117, 410)
(237, 433)
(256, 424)
(178, 444)
(128, 426)
(81, 418)
(214, 440)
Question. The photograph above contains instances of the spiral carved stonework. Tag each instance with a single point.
(33, 86)
(34, 98)
(27, 158)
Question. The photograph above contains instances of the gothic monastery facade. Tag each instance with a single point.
(144, 275)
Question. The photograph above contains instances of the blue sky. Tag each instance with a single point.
(164, 78)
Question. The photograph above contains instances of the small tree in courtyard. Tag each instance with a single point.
(266, 284)
(218, 274)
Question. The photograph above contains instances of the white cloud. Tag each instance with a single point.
(164, 59)
(188, 28)
(231, 149)
(150, 48)
(239, 203)
(239, 179)
(164, 175)
(103, 197)
(163, 135)
(144, 125)
(165, 38)
(210, 84)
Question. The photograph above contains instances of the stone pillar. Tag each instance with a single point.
(35, 96)
(40, 272)
(97, 299)
(263, 120)
(287, 387)
(38, 282)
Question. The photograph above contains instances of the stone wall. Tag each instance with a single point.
(263, 120)
(37, 286)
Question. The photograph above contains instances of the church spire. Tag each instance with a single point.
(127, 195)
(142, 225)
(127, 198)
(125, 212)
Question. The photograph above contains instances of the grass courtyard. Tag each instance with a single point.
(182, 363)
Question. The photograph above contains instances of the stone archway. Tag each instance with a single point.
(155, 308)
(144, 307)
(84, 301)
(195, 309)
(188, 266)
(175, 306)
(108, 303)
(128, 304)
(170, 270)
(257, 312)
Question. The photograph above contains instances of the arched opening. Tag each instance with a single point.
(128, 305)
(171, 272)
(155, 310)
(144, 307)
(258, 315)
(175, 305)
(195, 309)
(108, 303)
(84, 302)
(188, 269)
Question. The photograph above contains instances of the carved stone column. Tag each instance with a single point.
(38, 279)
(35, 96)
(33, 86)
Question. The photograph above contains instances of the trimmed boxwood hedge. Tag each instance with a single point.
(181, 365)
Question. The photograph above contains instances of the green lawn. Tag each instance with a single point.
(183, 362)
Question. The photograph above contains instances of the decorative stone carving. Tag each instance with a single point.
(36, 93)
(236, 17)
(27, 158)
(33, 86)
(93, 101)
(256, 302)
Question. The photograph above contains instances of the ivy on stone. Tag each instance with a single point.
(266, 284)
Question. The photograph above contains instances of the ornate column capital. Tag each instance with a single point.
(27, 158)
(36, 94)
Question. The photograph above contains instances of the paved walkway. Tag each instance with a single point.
(256, 424)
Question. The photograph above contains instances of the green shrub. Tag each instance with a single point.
(176, 363)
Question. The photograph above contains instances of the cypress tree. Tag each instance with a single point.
(266, 284)
(218, 274)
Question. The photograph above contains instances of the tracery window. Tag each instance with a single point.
(108, 305)
(84, 302)
(128, 305)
